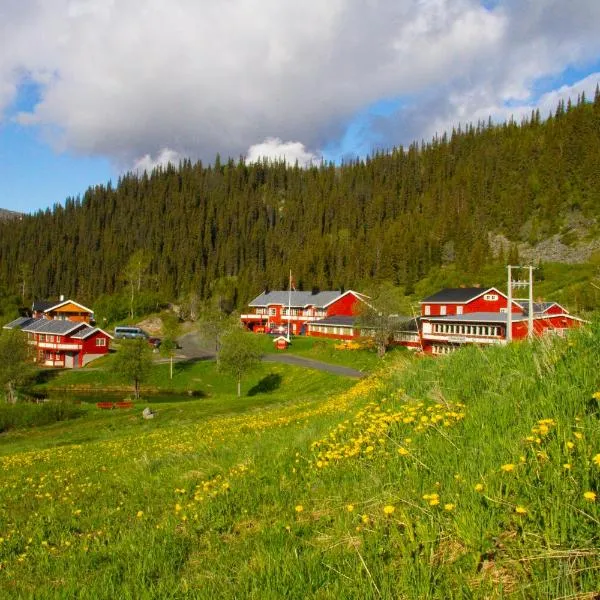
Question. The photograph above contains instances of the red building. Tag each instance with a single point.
(61, 342)
(454, 317)
(273, 311)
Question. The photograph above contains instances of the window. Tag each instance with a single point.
(100, 341)
(427, 309)
(442, 310)
(490, 297)
(272, 311)
(459, 310)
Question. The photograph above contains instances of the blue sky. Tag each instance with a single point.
(87, 93)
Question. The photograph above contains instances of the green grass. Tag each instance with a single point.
(324, 349)
(255, 502)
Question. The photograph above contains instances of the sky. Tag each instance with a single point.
(91, 89)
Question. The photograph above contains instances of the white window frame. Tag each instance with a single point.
(427, 310)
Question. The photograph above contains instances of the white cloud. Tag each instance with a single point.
(165, 157)
(128, 79)
(275, 150)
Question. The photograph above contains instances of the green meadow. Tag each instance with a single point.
(473, 475)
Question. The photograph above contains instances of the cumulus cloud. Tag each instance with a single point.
(275, 150)
(128, 79)
(165, 157)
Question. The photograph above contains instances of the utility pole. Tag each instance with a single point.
(519, 284)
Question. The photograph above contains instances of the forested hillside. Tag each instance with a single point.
(393, 216)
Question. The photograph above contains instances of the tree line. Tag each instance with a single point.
(392, 216)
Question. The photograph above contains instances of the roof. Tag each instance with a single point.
(43, 305)
(538, 307)
(458, 295)
(47, 305)
(336, 321)
(19, 323)
(296, 299)
(53, 326)
(86, 333)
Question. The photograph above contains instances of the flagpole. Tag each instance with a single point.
(289, 306)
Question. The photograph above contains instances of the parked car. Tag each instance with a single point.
(123, 332)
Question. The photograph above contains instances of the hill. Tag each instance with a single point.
(7, 215)
(468, 198)
(475, 475)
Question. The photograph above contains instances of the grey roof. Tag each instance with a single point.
(297, 299)
(43, 305)
(53, 326)
(538, 307)
(337, 321)
(19, 323)
(456, 294)
(84, 333)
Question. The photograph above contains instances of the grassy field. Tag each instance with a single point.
(468, 476)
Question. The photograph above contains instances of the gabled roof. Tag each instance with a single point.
(539, 307)
(53, 326)
(459, 295)
(296, 299)
(48, 305)
(86, 333)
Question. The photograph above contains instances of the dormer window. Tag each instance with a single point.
(491, 297)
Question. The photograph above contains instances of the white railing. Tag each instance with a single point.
(50, 346)
(253, 316)
(462, 339)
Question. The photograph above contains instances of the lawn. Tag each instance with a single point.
(469, 476)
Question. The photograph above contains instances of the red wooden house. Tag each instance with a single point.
(273, 311)
(61, 342)
(455, 317)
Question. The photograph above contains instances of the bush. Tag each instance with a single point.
(26, 414)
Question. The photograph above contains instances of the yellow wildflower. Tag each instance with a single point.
(299, 508)
(365, 519)
(140, 514)
(389, 509)
(567, 466)
(402, 451)
(570, 445)
(521, 510)
(449, 507)
(578, 435)
(507, 468)
(590, 496)
(479, 487)
(596, 459)
(350, 507)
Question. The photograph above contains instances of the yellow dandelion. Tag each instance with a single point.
(177, 507)
(590, 496)
(299, 508)
(449, 506)
(479, 487)
(350, 507)
(521, 510)
(402, 451)
(507, 468)
(596, 459)
(567, 466)
(578, 435)
(570, 445)
(140, 514)
(389, 509)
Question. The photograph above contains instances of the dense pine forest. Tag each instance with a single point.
(392, 216)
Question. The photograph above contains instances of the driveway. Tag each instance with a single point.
(193, 347)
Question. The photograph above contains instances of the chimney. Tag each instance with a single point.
(62, 297)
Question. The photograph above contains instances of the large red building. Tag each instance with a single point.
(61, 336)
(454, 317)
(273, 311)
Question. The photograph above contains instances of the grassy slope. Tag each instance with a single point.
(290, 500)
